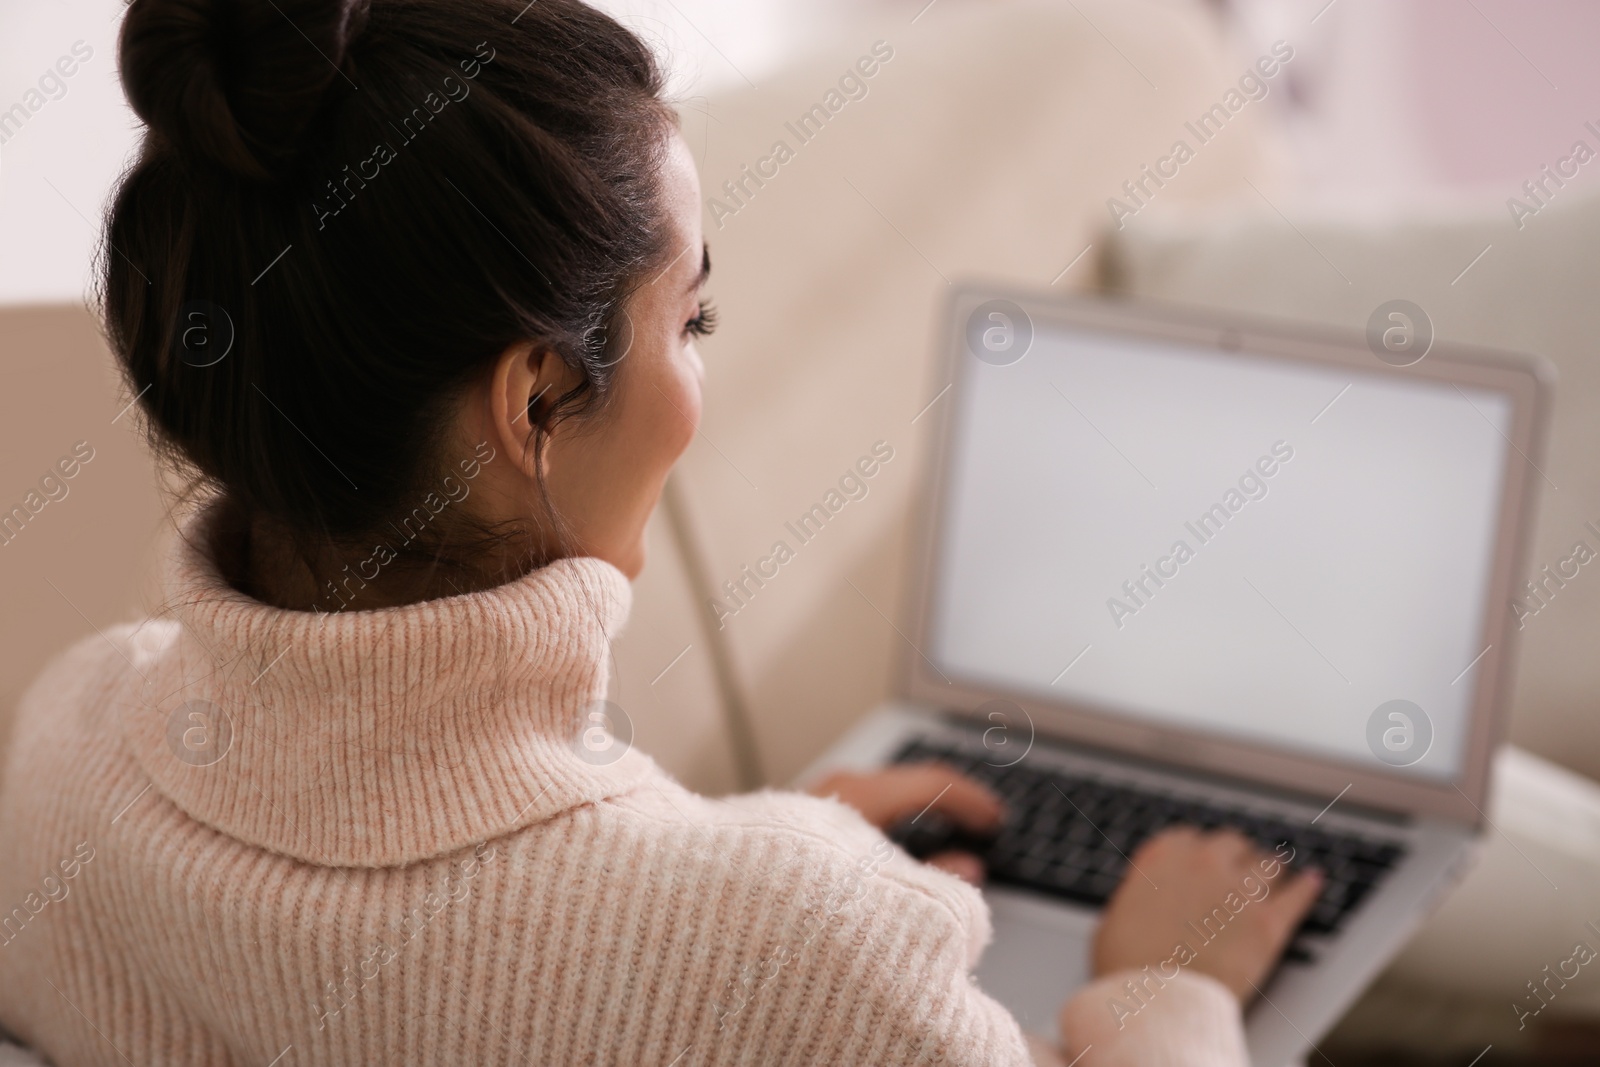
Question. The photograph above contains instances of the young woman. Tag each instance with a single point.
(412, 289)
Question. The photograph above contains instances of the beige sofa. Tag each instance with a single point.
(83, 559)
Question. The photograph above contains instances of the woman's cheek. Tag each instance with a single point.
(685, 431)
(687, 405)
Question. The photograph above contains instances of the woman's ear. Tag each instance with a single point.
(526, 380)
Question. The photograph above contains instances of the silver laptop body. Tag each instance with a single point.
(1332, 651)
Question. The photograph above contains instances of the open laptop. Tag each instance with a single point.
(1182, 568)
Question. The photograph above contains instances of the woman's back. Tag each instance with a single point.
(379, 838)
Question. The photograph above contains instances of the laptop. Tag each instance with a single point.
(1182, 568)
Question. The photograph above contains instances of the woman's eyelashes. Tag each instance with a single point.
(704, 321)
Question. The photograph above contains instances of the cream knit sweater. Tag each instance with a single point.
(241, 835)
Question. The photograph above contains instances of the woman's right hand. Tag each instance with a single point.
(889, 794)
(1182, 876)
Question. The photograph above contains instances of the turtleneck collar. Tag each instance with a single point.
(375, 738)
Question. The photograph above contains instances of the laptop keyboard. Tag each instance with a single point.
(1070, 836)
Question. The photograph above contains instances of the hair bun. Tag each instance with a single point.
(235, 82)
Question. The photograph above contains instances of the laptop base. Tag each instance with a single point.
(1040, 952)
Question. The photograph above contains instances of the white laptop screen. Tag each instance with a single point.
(1260, 548)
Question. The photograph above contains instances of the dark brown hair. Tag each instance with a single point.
(343, 212)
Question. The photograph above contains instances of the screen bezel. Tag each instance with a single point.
(1526, 380)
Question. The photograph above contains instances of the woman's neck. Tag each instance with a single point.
(271, 566)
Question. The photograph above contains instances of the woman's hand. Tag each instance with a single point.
(894, 793)
(1182, 877)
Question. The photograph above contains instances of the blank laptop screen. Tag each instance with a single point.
(1258, 548)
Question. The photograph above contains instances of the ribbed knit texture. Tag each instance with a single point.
(1190, 1020)
(402, 858)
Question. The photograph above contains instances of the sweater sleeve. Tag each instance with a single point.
(861, 956)
(878, 975)
(1190, 1021)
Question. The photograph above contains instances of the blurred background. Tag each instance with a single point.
(1389, 103)
(1386, 160)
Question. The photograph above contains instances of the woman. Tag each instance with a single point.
(412, 290)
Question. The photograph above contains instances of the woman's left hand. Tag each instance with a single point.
(889, 795)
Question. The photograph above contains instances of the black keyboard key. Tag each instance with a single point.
(1297, 952)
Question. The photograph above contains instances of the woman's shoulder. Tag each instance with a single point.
(65, 694)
